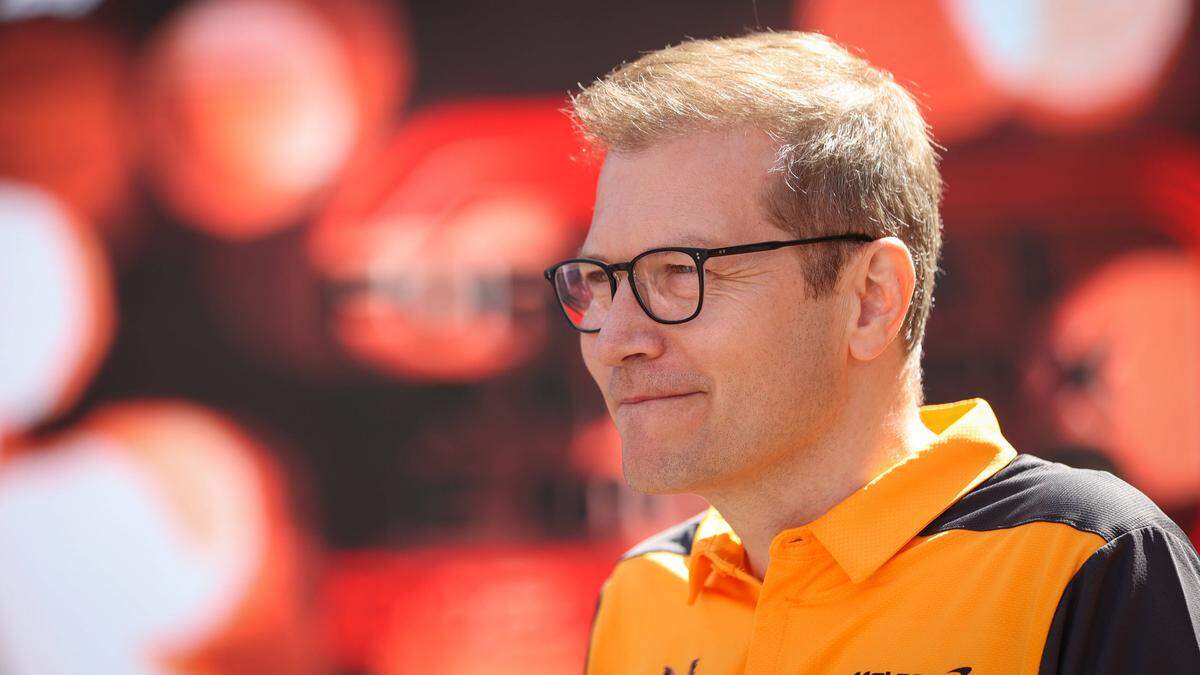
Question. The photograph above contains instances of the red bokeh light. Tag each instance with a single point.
(447, 609)
(1129, 339)
(64, 118)
(434, 247)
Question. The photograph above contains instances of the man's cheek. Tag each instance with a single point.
(589, 361)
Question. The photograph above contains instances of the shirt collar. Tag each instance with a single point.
(717, 551)
(866, 529)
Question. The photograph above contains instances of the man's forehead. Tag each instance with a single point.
(702, 190)
(618, 232)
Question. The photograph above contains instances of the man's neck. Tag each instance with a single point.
(814, 479)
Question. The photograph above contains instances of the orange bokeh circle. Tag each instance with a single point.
(252, 107)
(195, 562)
(220, 485)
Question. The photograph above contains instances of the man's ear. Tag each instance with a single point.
(881, 285)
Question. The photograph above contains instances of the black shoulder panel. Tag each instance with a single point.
(674, 539)
(1031, 489)
(1134, 607)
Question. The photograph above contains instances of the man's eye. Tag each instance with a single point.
(681, 269)
(596, 277)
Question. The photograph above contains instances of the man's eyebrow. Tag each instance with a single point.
(697, 241)
(582, 253)
(687, 240)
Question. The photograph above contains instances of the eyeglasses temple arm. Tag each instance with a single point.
(772, 245)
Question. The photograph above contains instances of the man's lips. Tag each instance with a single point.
(654, 397)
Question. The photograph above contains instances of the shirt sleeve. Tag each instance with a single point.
(1133, 607)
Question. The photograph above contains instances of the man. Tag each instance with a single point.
(751, 298)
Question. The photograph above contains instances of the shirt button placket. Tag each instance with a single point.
(785, 577)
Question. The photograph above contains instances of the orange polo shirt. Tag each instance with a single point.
(964, 557)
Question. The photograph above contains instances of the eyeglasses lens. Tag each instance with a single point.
(668, 285)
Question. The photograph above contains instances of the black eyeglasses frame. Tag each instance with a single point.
(699, 255)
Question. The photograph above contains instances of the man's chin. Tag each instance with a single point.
(652, 487)
(657, 474)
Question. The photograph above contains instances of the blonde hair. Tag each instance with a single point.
(854, 154)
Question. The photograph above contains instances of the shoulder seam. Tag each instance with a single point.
(1166, 532)
(1030, 490)
(1029, 521)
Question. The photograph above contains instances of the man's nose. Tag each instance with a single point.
(627, 333)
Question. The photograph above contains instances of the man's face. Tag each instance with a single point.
(759, 373)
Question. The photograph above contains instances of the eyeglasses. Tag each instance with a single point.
(667, 282)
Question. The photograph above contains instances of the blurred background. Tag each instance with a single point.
(282, 388)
